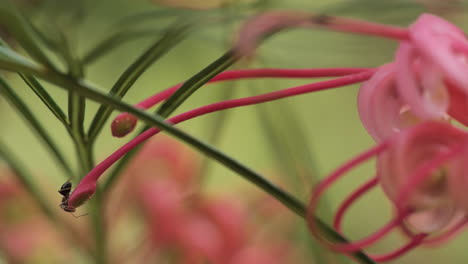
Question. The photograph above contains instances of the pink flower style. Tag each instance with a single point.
(405, 105)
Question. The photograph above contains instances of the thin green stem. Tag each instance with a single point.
(83, 147)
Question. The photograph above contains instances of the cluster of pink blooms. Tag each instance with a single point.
(409, 106)
(191, 226)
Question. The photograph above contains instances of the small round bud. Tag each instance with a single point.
(123, 124)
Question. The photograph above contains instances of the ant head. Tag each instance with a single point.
(66, 188)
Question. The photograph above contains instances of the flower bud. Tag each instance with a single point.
(123, 124)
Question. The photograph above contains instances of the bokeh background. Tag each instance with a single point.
(295, 142)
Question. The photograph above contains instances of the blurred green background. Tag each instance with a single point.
(258, 136)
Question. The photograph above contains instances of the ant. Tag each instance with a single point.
(65, 190)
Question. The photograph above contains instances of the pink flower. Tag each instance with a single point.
(421, 170)
(426, 82)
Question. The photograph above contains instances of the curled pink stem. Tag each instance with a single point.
(350, 200)
(92, 177)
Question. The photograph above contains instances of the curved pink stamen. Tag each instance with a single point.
(415, 241)
(350, 200)
(97, 171)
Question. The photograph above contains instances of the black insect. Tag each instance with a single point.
(65, 191)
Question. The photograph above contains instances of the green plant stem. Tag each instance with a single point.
(84, 149)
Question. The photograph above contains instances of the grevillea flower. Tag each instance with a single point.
(421, 170)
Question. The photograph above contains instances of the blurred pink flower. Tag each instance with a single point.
(195, 227)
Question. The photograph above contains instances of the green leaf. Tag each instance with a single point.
(195, 82)
(41, 92)
(135, 70)
(18, 26)
(41, 132)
